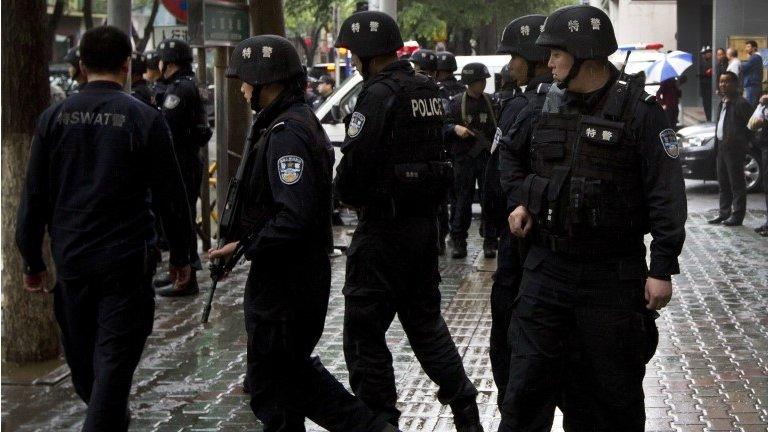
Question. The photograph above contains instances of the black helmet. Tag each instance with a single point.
(583, 31)
(369, 34)
(174, 51)
(425, 59)
(264, 59)
(473, 72)
(505, 74)
(153, 60)
(446, 61)
(138, 63)
(520, 36)
(73, 57)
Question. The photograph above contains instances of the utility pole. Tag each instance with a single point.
(119, 15)
(387, 6)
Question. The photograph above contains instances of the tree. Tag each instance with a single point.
(141, 42)
(267, 17)
(29, 330)
(308, 18)
(481, 21)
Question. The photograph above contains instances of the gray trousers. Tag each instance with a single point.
(733, 185)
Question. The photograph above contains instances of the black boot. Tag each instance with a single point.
(459, 249)
(191, 288)
(717, 220)
(162, 281)
(489, 248)
(732, 221)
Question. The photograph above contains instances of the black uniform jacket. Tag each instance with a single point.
(101, 166)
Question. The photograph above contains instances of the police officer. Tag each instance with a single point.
(185, 113)
(153, 76)
(471, 126)
(425, 62)
(287, 200)
(325, 86)
(75, 73)
(448, 88)
(592, 165)
(394, 172)
(140, 88)
(507, 89)
(527, 68)
(121, 150)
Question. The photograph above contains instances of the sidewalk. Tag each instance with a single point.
(710, 372)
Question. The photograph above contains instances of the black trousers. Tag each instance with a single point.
(467, 171)
(506, 285)
(105, 321)
(580, 338)
(732, 183)
(192, 172)
(392, 269)
(494, 202)
(286, 301)
(706, 100)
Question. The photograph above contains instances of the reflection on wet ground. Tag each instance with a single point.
(709, 373)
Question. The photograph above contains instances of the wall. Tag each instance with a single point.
(645, 21)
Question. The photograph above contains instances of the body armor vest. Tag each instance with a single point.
(416, 174)
(586, 187)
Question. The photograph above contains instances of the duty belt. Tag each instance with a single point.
(395, 211)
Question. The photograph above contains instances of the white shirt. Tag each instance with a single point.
(735, 66)
(720, 122)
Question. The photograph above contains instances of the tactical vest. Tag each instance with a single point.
(586, 189)
(416, 174)
(199, 130)
(260, 205)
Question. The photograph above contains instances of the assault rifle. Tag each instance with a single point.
(229, 215)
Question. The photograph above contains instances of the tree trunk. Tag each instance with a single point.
(267, 17)
(312, 49)
(29, 330)
(88, 14)
(141, 45)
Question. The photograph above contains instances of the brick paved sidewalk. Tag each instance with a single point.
(710, 372)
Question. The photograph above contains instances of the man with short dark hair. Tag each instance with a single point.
(731, 140)
(101, 167)
(705, 78)
(752, 73)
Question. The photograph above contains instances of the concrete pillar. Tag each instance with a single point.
(119, 15)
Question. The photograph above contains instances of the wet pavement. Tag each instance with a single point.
(710, 372)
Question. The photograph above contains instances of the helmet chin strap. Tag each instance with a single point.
(255, 98)
(572, 73)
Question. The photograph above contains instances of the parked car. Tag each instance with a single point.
(698, 156)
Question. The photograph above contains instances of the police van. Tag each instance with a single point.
(341, 103)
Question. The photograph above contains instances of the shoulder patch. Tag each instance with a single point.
(171, 101)
(668, 139)
(356, 123)
(290, 168)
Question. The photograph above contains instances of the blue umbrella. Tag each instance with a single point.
(671, 66)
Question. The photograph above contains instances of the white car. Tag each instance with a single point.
(341, 103)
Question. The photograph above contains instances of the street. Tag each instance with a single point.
(710, 372)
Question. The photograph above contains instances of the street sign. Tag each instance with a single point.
(217, 23)
(161, 33)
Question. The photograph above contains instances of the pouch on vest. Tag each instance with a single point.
(534, 194)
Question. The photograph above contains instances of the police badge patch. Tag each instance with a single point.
(290, 168)
(668, 139)
(171, 101)
(355, 124)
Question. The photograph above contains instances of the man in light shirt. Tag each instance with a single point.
(734, 64)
